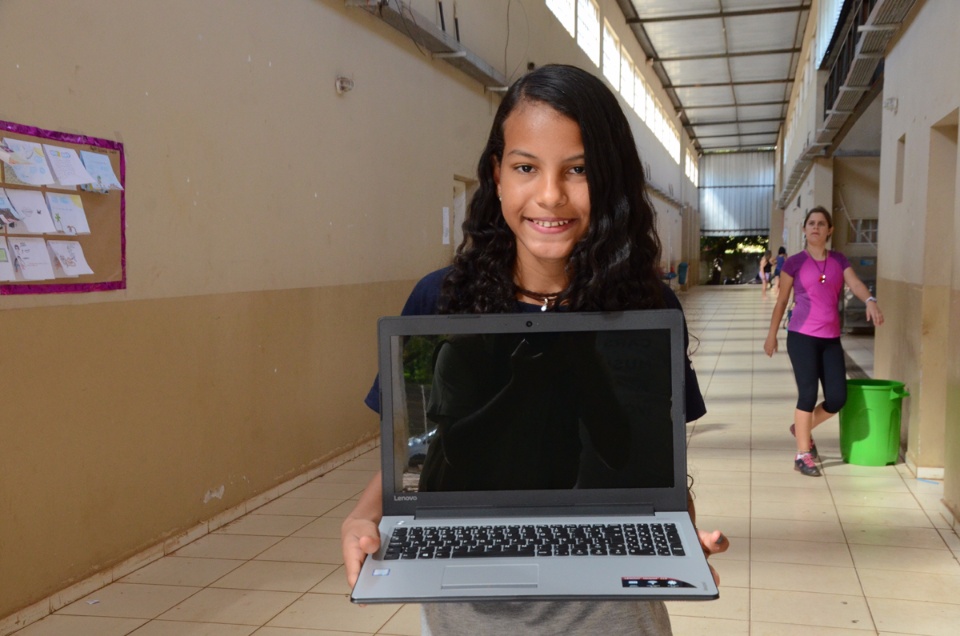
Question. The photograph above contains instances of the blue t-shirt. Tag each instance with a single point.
(425, 299)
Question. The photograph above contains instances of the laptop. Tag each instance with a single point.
(534, 457)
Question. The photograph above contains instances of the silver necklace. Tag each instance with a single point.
(546, 299)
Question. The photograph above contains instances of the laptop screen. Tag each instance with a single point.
(524, 405)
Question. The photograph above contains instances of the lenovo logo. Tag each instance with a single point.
(405, 498)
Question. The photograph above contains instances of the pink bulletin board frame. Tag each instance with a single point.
(64, 287)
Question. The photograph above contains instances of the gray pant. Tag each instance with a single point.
(546, 618)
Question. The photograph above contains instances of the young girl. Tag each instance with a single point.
(766, 265)
(816, 276)
(781, 259)
(560, 222)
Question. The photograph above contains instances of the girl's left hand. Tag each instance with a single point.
(874, 314)
(713, 543)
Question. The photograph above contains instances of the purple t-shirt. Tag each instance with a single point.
(816, 312)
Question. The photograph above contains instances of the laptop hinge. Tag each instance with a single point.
(586, 510)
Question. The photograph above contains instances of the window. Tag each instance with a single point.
(828, 19)
(650, 108)
(627, 79)
(692, 168)
(640, 95)
(565, 11)
(656, 122)
(588, 29)
(581, 18)
(672, 139)
(611, 56)
(659, 121)
(863, 231)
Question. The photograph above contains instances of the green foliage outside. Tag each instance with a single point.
(418, 354)
(731, 259)
(714, 246)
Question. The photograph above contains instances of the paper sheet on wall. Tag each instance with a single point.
(28, 162)
(6, 153)
(101, 172)
(66, 210)
(31, 260)
(11, 156)
(67, 167)
(10, 177)
(68, 258)
(9, 217)
(6, 261)
(32, 208)
(6, 207)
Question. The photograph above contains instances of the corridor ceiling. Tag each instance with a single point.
(728, 66)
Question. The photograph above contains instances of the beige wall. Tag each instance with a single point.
(259, 207)
(126, 415)
(856, 191)
(806, 97)
(670, 230)
(951, 460)
(919, 245)
(270, 222)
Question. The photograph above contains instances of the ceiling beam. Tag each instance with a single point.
(724, 149)
(716, 84)
(759, 134)
(738, 105)
(745, 13)
(737, 121)
(716, 56)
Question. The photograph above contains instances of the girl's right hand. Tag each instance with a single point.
(358, 538)
(770, 346)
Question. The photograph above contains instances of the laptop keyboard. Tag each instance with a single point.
(634, 539)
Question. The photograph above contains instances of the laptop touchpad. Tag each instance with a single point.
(479, 576)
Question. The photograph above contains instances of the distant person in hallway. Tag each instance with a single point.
(816, 276)
(766, 267)
(716, 272)
(560, 221)
(781, 259)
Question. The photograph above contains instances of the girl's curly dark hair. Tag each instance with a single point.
(614, 265)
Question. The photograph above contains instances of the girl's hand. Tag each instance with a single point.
(874, 314)
(770, 346)
(358, 538)
(713, 543)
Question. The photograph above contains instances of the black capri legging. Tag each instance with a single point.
(818, 360)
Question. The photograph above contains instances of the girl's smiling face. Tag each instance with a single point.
(542, 184)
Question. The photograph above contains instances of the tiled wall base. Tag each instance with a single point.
(77, 591)
(951, 516)
(924, 472)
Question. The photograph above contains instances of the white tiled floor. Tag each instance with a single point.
(861, 550)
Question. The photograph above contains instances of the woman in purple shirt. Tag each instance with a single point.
(816, 275)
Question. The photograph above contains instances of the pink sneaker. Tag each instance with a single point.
(813, 444)
(805, 464)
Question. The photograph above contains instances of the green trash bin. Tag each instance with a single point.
(870, 422)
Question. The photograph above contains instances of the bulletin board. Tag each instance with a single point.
(104, 247)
